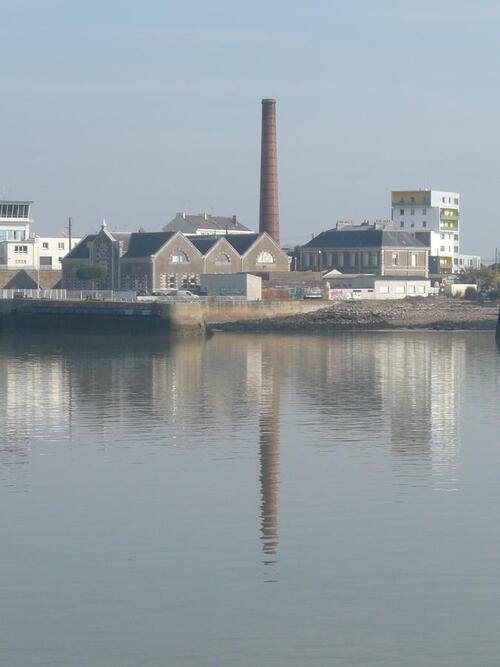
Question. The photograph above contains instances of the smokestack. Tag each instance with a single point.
(269, 219)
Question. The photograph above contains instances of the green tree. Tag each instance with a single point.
(484, 278)
(92, 272)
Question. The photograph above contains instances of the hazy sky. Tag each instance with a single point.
(134, 110)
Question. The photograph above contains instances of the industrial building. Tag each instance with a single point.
(370, 249)
(148, 261)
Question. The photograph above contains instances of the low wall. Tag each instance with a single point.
(22, 279)
(228, 311)
(107, 317)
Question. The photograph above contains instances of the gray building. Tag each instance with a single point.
(204, 224)
(366, 249)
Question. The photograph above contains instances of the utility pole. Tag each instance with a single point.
(496, 267)
(70, 223)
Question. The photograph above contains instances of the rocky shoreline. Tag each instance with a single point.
(435, 313)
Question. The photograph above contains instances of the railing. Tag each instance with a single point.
(67, 295)
(108, 295)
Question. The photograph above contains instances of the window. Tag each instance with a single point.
(443, 199)
(45, 245)
(395, 259)
(411, 289)
(265, 258)
(413, 259)
(412, 211)
(443, 236)
(424, 211)
(383, 289)
(223, 259)
(413, 224)
(401, 211)
(424, 224)
(400, 289)
(412, 199)
(179, 257)
(402, 223)
(21, 249)
(441, 248)
(455, 201)
(60, 245)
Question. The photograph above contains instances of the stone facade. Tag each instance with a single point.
(178, 264)
(265, 255)
(149, 261)
(373, 251)
(222, 258)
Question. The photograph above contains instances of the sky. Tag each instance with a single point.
(134, 110)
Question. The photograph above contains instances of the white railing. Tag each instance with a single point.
(108, 295)
(67, 295)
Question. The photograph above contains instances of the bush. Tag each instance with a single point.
(94, 272)
(470, 293)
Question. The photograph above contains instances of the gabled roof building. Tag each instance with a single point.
(366, 249)
(148, 261)
(203, 224)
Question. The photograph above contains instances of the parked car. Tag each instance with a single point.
(178, 294)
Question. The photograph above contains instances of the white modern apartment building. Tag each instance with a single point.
(15, 220)
(433, 211)
(20, 249)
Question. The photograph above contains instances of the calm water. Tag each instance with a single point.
(250, 501)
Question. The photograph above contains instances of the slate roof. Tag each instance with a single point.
(124, 237)
(145, 244)
(372, 238)
(205, 243)
(241, 242)
(81, 250)
(189, 224)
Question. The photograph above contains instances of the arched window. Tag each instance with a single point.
(265, 258)
(179, 257)
(223, 259)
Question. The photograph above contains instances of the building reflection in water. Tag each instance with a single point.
(365, 391)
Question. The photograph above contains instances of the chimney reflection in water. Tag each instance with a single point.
(269, 443)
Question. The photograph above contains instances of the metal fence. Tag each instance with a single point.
(108, 295)
(67, 295)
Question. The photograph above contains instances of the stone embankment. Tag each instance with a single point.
(436, 313)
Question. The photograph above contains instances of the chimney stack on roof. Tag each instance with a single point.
(269, 220)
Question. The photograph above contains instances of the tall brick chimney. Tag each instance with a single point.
(269, 218)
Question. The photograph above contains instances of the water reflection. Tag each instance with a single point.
(263, 458)
(395, 392)
(269, 452)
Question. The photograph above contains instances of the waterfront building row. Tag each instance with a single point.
(149, 261)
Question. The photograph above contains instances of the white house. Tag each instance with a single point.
(348, 287)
